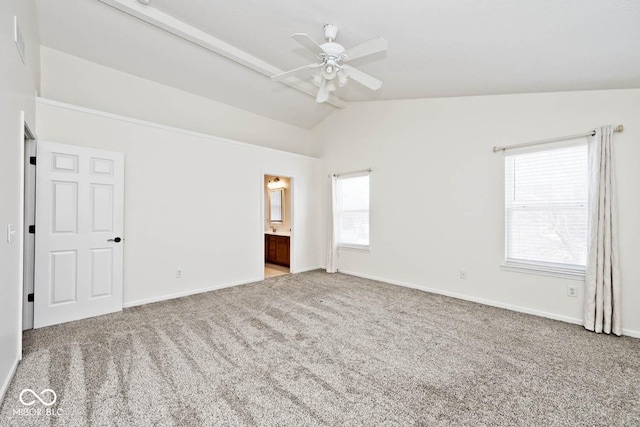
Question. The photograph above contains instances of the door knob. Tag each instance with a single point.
(117, 240)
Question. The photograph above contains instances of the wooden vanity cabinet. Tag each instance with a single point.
(276, 249)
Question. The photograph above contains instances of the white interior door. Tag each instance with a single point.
(78, 235)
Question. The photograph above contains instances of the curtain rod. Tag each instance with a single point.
(351, 173)
(618, 128)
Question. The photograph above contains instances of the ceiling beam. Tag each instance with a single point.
(185, 31)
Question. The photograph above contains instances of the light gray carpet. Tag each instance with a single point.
(319, 349)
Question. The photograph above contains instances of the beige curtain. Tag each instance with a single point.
(602, 282)
(332, 247)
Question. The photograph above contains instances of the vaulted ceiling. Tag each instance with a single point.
(436, 48)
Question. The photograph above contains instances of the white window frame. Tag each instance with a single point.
(354, 246)
(566, 271)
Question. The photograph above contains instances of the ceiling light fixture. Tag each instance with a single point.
(332, 57)
(275, 184)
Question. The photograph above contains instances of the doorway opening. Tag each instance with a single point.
(278, 224)
(28, 221)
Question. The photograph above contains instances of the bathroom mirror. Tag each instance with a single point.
(276, 206)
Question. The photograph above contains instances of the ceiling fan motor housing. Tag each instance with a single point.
(333, 49)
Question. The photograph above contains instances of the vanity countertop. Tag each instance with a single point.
(279, 233)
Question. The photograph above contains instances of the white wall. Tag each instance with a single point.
(437, 190)
(191, 202)
(18, 84)
(77, 81)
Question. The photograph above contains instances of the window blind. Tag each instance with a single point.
(546, 195)
(352, 207)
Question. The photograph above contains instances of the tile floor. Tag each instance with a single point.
(272, 270)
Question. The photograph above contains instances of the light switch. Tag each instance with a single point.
(11, 232)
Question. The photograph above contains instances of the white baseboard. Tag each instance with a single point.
(187, 293)
(201, 290)
(520, 309)
(631, 333)
(304, 270)
(7, 381)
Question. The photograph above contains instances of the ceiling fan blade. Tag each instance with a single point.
(362, 77)
(323, 92)
(367, 48)
(307, 42)
(294, 72)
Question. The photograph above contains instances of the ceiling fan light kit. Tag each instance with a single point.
(332, 58)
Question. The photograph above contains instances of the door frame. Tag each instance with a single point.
(28, 218)
(291, 212)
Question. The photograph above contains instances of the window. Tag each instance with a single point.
(546, 210)
(352, 210)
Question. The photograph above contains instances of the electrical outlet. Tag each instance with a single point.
(178, 274)
(463, 274)
(572, 291)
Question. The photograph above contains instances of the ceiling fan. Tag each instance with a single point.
(332, 65)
